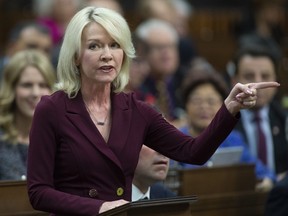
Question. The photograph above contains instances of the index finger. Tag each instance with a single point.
(263, 85)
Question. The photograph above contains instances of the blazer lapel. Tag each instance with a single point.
(78, 115)
(121, 122)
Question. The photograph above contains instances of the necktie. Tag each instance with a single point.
(261, 140)
(163, 98)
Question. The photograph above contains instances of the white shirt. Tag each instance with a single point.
(138, 195)
(250, 129)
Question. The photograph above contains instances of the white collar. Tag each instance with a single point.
(248, 115)
(138, 195)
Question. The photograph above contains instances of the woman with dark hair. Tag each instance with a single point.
(203, 94)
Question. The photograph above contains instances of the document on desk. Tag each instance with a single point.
(226, 156)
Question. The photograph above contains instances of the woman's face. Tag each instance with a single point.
(101, 56)
(28, 91)
(202, 105)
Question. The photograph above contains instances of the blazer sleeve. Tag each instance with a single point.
(42, 151)
(171, 142)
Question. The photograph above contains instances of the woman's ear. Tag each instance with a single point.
(77, 60)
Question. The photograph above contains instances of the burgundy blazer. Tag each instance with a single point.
(72, 170)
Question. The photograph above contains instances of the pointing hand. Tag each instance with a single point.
(244, 96)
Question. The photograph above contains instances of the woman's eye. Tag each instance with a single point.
(115, 45)
(93, 46)
(25, 85)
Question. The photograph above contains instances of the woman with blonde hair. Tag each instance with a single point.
(86, 138)
(27, 76)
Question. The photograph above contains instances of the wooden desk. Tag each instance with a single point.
(14, 199)
(223, 191)
(220, 191)
(230, 204)
(217, 180)
(178, 206)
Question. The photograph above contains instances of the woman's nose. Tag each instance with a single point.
(36, 91)
(106, 55)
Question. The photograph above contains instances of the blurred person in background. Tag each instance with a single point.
(139, 70)
(265, 27)
(203, 93)
(27, 77)
(55, 15)
(27, 35)
(175, 12)
(181, 21)
(179, 14)
(267, 120)
(151, 170)
(163, 58)
(111, 4)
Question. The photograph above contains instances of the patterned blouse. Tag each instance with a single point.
(13, 160)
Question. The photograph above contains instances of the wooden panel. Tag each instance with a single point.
(14, 199)
(223, 191)
(217, 180)
(234, 204)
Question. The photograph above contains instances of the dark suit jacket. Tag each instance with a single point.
(158, 191)
(277, 124)
(277, 203)
(72, 170)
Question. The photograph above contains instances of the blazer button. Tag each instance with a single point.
(93, 193)
(120, 191)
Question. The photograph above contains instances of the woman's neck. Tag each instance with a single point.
(23, 125)
(98, 96)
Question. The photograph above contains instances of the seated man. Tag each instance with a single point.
(264, 126)
(152, 168)
(277, 202)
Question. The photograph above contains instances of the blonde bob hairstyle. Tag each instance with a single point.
(117, 28)
(11, 75)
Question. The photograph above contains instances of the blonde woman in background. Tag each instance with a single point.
(28, 76)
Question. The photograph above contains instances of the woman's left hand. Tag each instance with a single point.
(245, 96)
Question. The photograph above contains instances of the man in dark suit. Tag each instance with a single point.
(152, 168)
(277, 203)
(256, 64)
